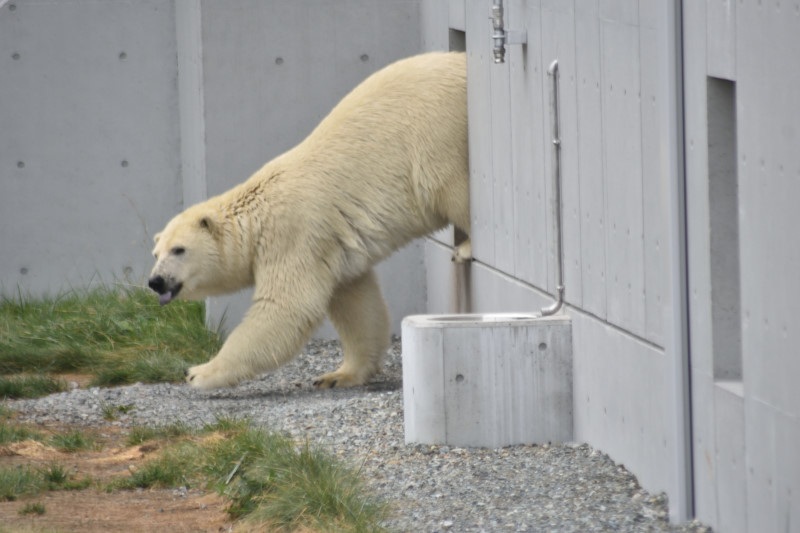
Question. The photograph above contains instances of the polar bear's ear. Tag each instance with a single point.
(208, 224)
(156, 237)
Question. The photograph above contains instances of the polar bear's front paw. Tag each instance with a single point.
(337, 379)
(206, 377)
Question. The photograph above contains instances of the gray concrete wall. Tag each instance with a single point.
(614, 105)
(742, 165)
(117, 115)
(622, 156)
(89, 144)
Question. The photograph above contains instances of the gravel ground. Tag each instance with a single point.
(431, 488)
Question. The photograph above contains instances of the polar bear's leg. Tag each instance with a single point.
(360, 316)
(268, 337)
(463, 252)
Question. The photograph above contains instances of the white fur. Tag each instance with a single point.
(387, 165)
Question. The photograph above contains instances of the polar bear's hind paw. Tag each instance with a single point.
(337, 379)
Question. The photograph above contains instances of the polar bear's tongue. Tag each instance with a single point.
(165, 298)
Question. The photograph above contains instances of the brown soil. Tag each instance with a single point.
(94, 510)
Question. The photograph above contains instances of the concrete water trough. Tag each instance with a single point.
(487, 380)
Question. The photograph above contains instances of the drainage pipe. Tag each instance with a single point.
(556, 307)
(677, 345)
(499, 34)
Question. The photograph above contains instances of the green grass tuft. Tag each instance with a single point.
(16, 481)
(272, 481)
(56, 477)
(30, 386)
(20, 481)
(307, 487)
(175, 467)
(32, 508)
(141, 434)
(119, 333)
(10, 432)
(73, 441)
(54, 473)
(111, 412)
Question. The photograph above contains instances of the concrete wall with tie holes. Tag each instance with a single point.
(616, 136)
(114, 116)
(681, 173)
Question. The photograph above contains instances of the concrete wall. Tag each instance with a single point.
(624, 136)
(117, 115)
(615, 133)
(89, 143)
(743, 170)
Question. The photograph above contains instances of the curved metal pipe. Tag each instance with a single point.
(552, 70)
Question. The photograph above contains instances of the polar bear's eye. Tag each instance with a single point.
(178, 250)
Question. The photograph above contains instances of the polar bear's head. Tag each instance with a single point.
(187, 254)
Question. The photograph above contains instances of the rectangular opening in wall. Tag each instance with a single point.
(723, 194)
(462, 298)
(458, 41)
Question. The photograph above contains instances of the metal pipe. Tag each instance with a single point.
(499, 35)
(677, 345)
(552, 71)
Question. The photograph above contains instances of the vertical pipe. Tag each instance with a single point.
(682, 506)
(553, 309)
(499, 35)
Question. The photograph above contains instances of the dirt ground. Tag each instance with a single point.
(94, 510)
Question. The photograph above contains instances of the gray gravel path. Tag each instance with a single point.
(431, 488)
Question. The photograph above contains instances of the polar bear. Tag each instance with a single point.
(387, 165)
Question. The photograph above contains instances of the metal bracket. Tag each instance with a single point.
(516, 36)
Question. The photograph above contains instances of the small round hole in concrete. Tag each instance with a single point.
(23, 270)
(279, 61)
(459, 378)
(542, 346)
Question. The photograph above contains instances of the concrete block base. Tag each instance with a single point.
(487, 380)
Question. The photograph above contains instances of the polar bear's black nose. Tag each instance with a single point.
(157, 284)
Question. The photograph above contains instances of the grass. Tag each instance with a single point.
(32, 508)
(55, 474)
(73, 441)
(111, 412)
(10, 432)
(30, 386)
(117, 333)
(270, 481)
(175, 467)
(121, 335)
(141, 434)
(16, 481)
(19, 481)
(306, 487)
